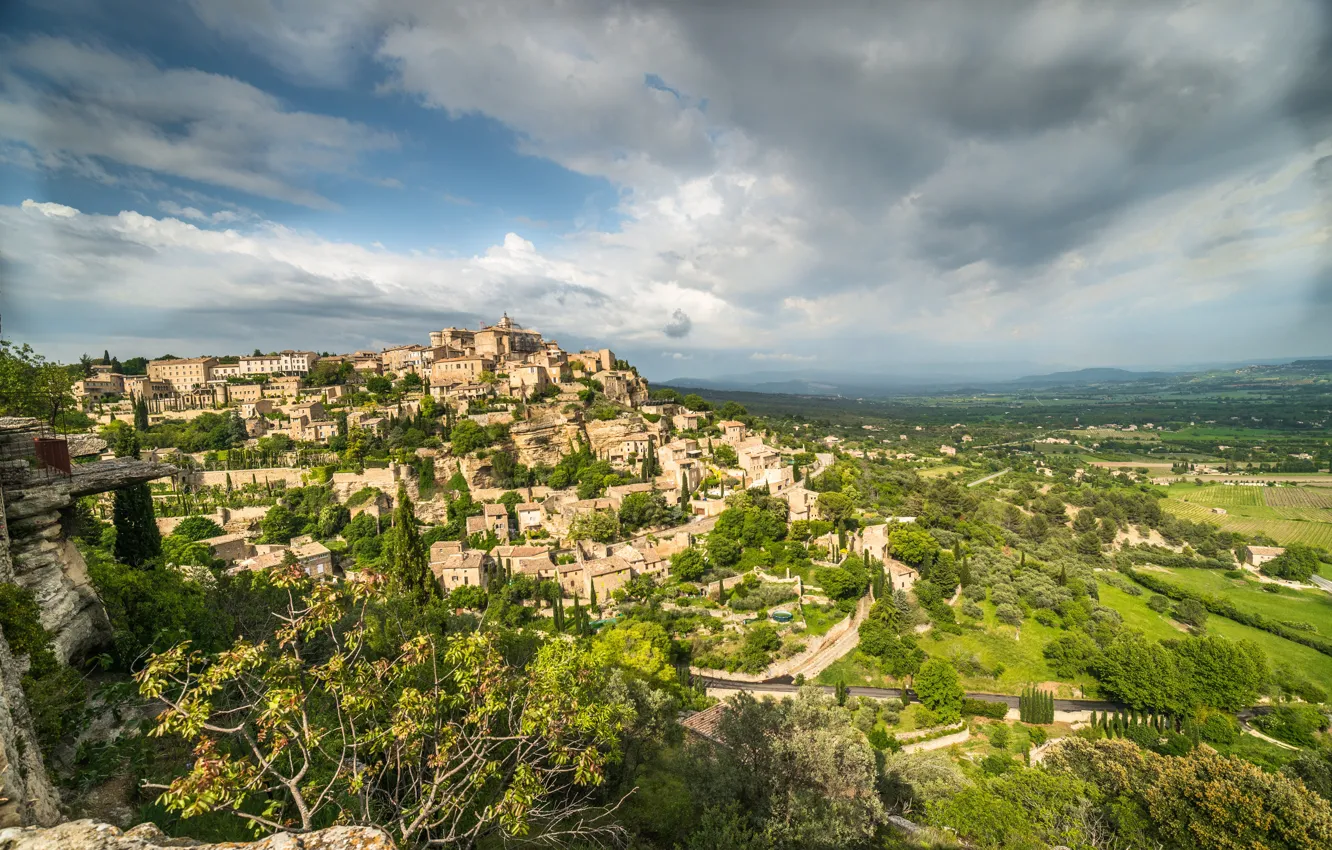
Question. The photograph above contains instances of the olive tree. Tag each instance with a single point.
(435, 739)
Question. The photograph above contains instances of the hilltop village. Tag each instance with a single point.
(494, 413)
(925, 610)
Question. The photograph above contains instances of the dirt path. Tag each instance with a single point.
(1259, 735)
(821, 660)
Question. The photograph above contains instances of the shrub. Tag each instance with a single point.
(1159, 604)
(1294, 724)
(972, 610)
(1219, 729)
(985, 708)
(1009, 613)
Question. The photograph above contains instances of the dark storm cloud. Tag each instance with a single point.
(679, 325)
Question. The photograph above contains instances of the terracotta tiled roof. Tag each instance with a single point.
(706, 722)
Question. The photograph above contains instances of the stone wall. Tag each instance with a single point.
(90, 835)
(218, 478)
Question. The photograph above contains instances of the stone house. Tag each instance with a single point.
(182, 374)
(1259, 555)
(732, 431)
(229, 547)
(530, 516)
(534, 561)
(688, 421)
(465, 568)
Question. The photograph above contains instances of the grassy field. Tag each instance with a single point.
(1269, 757)
(1305, 661)
(1307, 606)
(819, 622)
(855, 669)
(1017, 649)
(1297, 497)
(936, 471)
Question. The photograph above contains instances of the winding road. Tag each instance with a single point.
(980, 481)
(788, 687)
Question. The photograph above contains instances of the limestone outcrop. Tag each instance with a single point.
(90, 835)
(26, 793)
(544, 439)
(603, 436)
(40, 557)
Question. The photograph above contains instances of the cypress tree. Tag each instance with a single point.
(407, 563)
(137, 538)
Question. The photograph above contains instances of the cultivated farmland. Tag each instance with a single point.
(1296, 497)
(1286, 514)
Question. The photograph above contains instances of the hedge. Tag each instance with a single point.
(985, 708)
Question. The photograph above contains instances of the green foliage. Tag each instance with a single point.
(641, 510)
(1197, 800)
(1293, 723)
(1180, 675)
(398, 719)
(1297, 563)
(984, 708)
(1072, 655)
(1036, 706)
(138, 541)
(30, 385)
(688, 565)
(55, 692)
(151, 610)
(914, 546)
(279, 524)
(939, 688)
(196, 528)
(406, 559)
(802, 772)
(601, 526)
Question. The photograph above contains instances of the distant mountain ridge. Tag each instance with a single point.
(953, 378)
(1094, 375)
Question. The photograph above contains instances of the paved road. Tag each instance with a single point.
(980, 481)
(1322, 582)
(780, 687)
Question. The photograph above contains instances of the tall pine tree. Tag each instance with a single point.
(406, 559)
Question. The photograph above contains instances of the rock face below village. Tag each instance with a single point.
(90, 835)
(26, 793)
(40, 557)
(545, 438)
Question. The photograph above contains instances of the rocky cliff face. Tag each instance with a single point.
(90, 835)
(545, 438)
(26, 793)
(41, 558)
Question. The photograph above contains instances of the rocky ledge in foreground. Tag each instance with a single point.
(91, 835)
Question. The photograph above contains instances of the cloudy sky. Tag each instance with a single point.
(708, 188)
